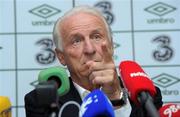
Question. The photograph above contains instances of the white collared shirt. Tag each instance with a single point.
(124, 111)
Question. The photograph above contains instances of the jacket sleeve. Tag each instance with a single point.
(158, 99)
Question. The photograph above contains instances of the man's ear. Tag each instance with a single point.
(60, 56)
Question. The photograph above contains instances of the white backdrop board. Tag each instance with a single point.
(146, 31)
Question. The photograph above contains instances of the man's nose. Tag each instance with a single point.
(89, 47)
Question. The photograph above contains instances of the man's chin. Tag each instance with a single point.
(96, 86)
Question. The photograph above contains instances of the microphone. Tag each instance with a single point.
(139, 85)
(96, 104)
(170, 110)
(5, 107)
(53, 82)
(59, 76)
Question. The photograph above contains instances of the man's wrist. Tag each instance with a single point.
(122, 100)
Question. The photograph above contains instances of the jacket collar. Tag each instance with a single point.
(72, 95)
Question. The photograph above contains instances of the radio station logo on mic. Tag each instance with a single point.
(87, 102)
(170, 110)
(136, 74)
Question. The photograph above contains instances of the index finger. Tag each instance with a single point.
(107, 52)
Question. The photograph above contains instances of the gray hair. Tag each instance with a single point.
(57, 36)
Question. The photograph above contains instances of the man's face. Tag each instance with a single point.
(83, 35)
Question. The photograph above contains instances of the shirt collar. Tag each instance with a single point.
(82, 91)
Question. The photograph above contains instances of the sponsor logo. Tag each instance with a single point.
(136, 74)
(46, 55)
(160, 9)
(106, 8)
(164, 51)
(44, 11)
(165, 81)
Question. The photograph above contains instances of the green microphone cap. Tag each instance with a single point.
(59, 73)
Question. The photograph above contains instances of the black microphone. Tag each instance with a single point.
(53, 82)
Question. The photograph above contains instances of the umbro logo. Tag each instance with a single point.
(165, 80)
(160, 9)
(44, 11)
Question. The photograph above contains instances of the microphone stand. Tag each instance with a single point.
(47, 96)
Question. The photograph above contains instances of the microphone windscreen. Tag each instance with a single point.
(135, 79)
(170, 110)
(57, 74)
(96, 104)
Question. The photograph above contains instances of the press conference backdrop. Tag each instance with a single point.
(146, 31)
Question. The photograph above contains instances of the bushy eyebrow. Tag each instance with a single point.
(79, 35)
(76, 35)
(96, 31)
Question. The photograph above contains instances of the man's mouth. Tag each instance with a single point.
(91, 60)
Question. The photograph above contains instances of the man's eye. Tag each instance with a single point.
(97, 37)
(76, 41)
